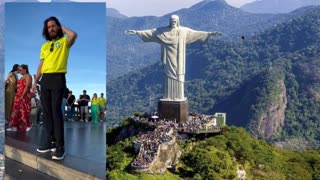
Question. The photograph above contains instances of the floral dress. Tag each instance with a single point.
(21, 110)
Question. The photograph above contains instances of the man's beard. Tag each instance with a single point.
(53, 35)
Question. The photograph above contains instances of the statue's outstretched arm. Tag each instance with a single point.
(131, 32)
(215, 33)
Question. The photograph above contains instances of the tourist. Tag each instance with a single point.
(84, 108)
(102, 107)
(52, 70)
(70, 103)
(21, 110)
(95, 108)
(10, 90)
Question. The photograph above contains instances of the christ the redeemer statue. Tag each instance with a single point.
(173, 40)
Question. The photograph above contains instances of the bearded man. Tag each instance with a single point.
(52, 69)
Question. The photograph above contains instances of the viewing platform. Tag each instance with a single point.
(201, 131)
(84, 145)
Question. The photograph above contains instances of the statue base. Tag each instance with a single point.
(173, 110)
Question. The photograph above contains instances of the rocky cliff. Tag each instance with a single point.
(169, 155)
(272, 121)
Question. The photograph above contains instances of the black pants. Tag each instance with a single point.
(52, 91)
(39, 111)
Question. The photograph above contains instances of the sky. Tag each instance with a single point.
(87, 58)
(154, 7)
(158, 7)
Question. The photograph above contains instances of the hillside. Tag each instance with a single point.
(268, 84)
(219, 157)
(127, 53)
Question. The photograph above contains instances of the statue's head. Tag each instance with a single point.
(174, 21)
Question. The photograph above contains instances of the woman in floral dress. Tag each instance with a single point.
(20, 113)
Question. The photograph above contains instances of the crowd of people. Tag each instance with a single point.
(194, 124)
(81, 106)
(162, 134)
(150, 144)
(71, 107)
(197, 123)
(20, 99)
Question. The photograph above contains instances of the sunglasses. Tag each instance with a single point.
(51, 47)
(20, 70)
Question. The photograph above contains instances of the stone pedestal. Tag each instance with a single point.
(172, 110)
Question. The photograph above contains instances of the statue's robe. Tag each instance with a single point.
(173, 55)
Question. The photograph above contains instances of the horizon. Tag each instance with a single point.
(158, 8)
(153, 7)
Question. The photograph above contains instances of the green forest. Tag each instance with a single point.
(218, 157)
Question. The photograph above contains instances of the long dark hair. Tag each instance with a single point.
(15, 68)
(24, 66)
(45, 32)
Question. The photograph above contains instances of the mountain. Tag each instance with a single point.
(111, 12)
(127, 53)
(268, 83)
(277, 6)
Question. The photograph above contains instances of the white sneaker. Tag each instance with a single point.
(29, 128)
(12, 129)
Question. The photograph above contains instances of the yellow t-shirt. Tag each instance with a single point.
(94, 101)
(102, 101)
(57, 60)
